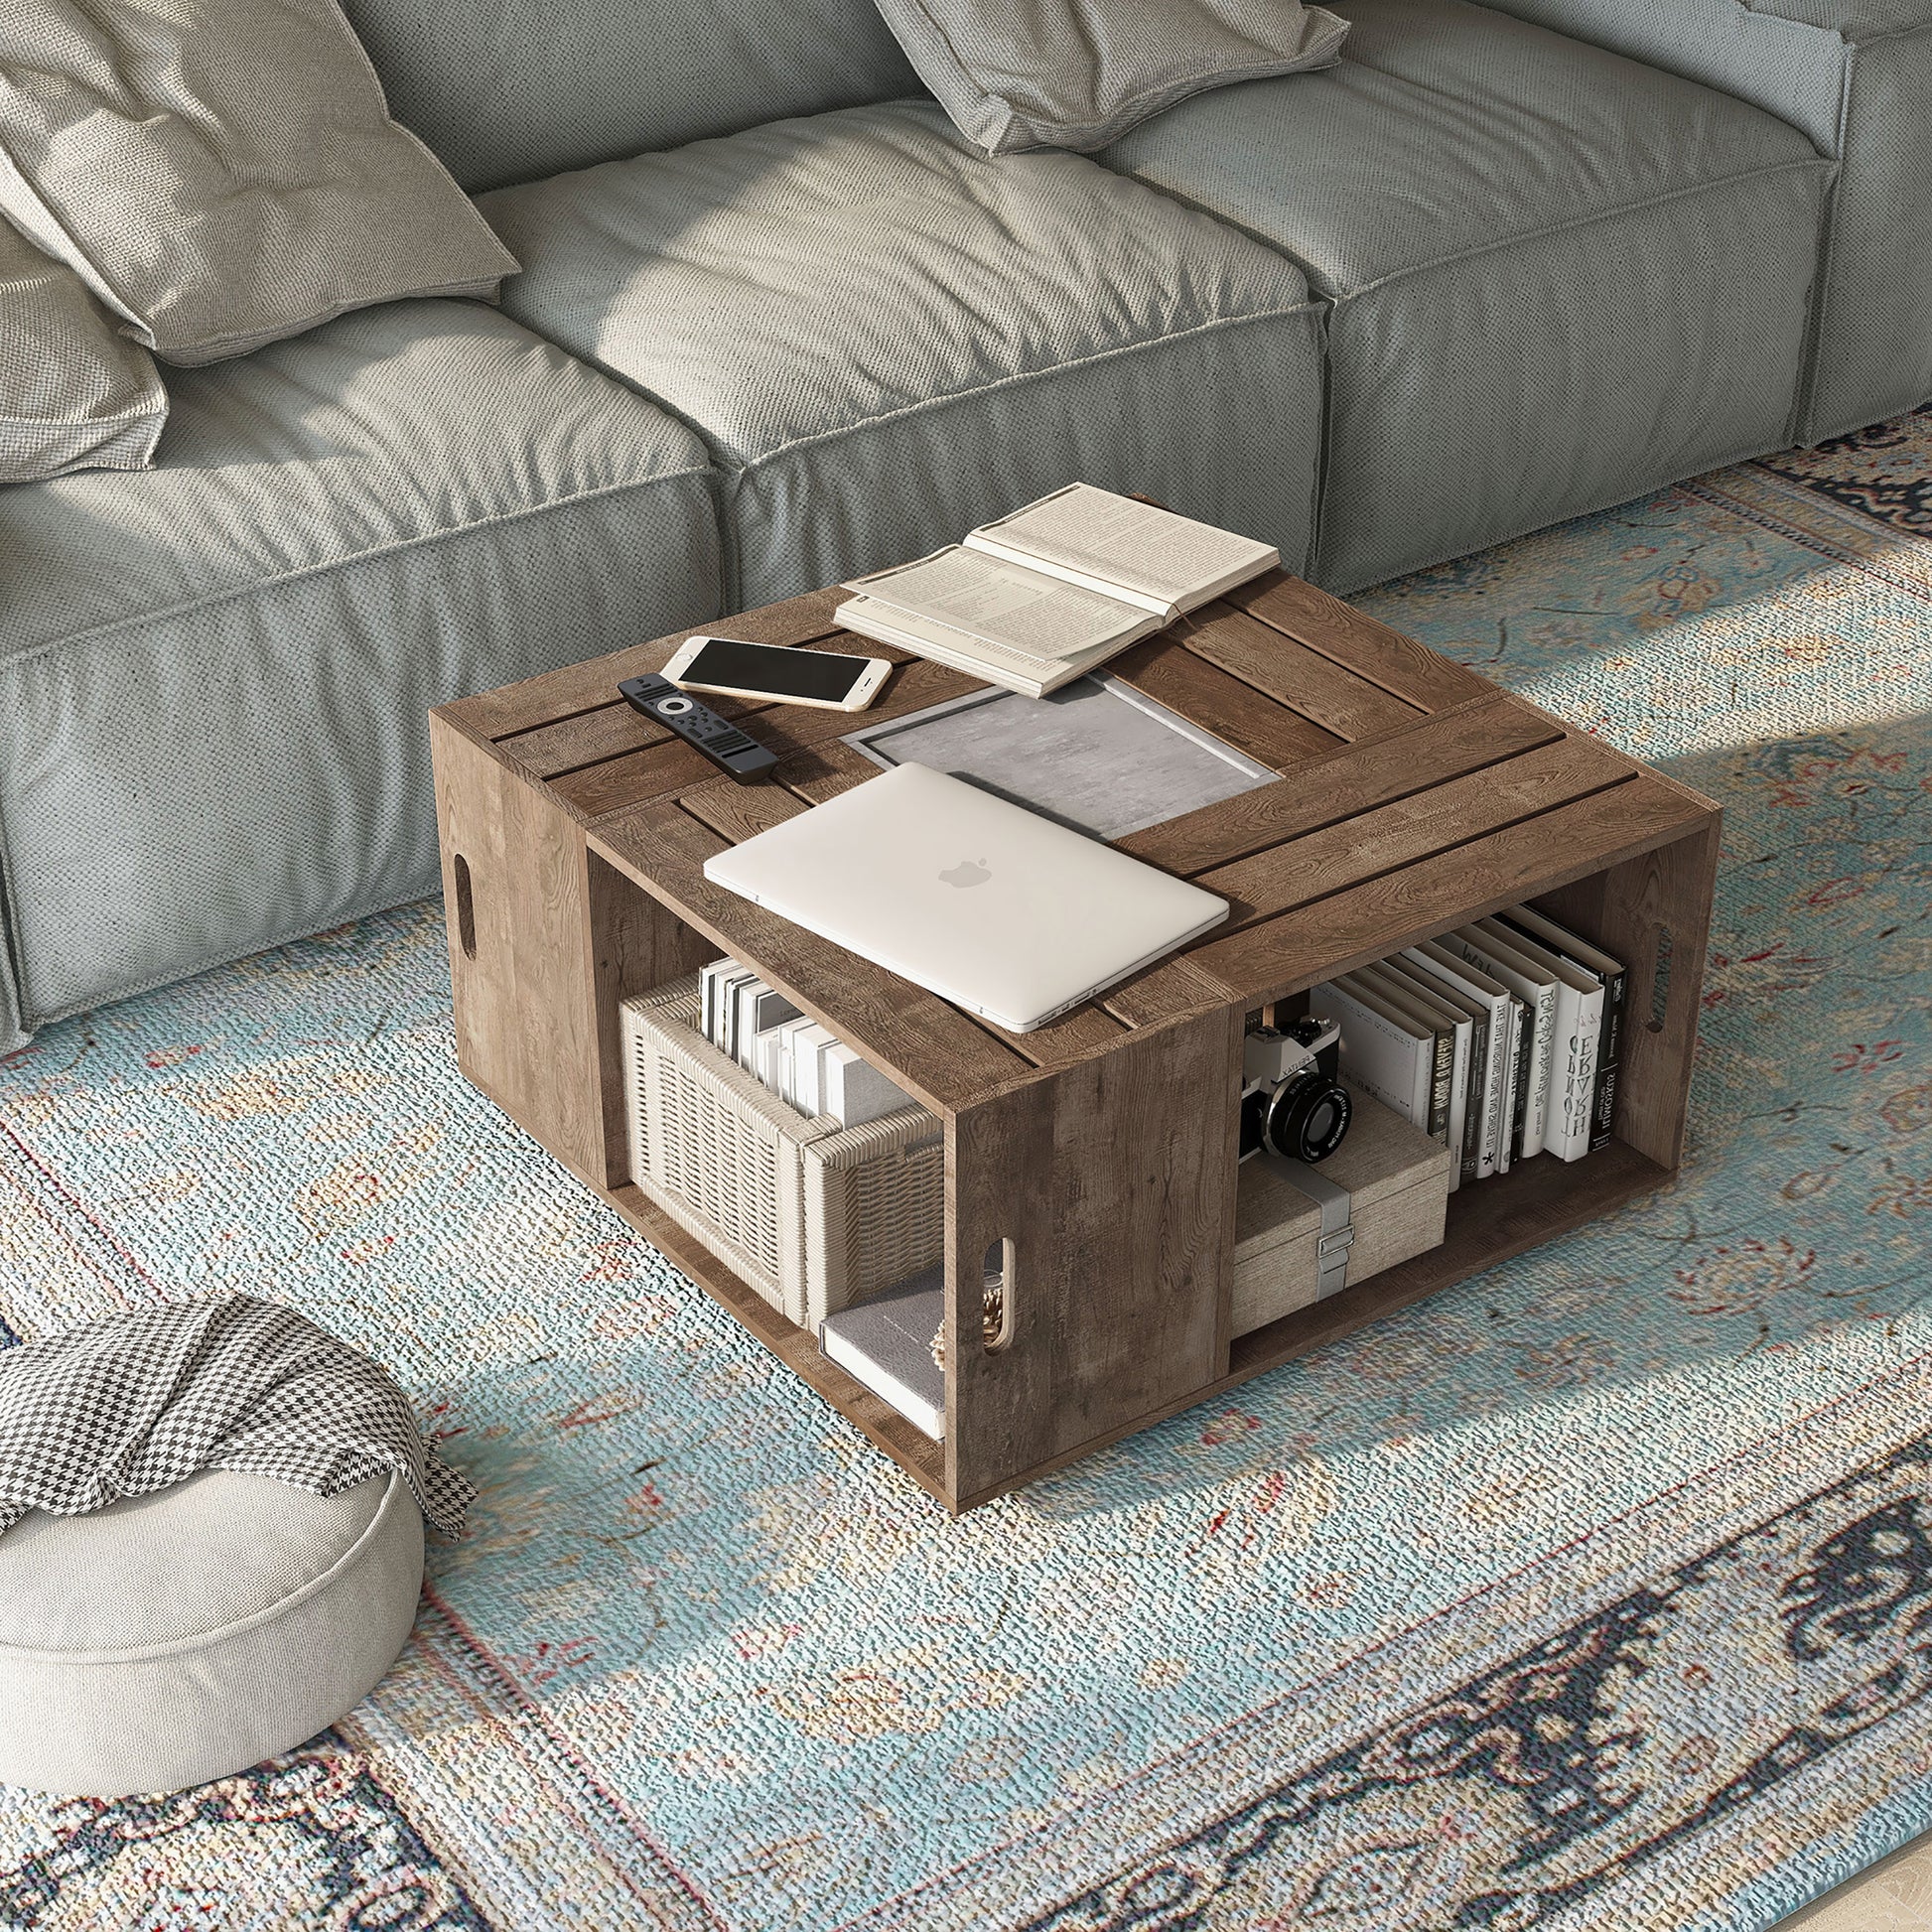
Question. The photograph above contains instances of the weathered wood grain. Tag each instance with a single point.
(1367, 646)
(1323, 691)
(1119, 1207)
(1169, 673)
(1351, 779)
(1270, 959)
(1369, 844)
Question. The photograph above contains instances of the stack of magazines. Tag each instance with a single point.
(1051, 591)
(1501, 1040)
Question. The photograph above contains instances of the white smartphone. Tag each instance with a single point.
(828, 679)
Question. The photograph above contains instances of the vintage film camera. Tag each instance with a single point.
(1291, 1104)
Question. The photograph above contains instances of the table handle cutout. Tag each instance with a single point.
(466, 908)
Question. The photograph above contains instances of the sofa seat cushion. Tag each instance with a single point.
(1557, 274)
(181, 1636)
(885, 336)
(213, 675)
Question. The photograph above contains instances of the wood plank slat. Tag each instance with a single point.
(620, 784)
(1325, 692)
(739, 812)
(1351, 779)
(827, 769)
(553, 697)
(1276, 957)
(1165, 671)
(1398, 664)
(928, 1046)
(1172, 990)
(1320, 863)
(612, 730)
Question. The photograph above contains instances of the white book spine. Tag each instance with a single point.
(1387, 1063)
(1580, 1019)
(1541, 997)
(1491, 1079)
(1519, 1037)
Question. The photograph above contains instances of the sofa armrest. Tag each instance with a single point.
(1856, 75)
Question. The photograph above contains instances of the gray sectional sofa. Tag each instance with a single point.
(779, 323)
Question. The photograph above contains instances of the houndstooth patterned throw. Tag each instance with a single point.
(130, 1405)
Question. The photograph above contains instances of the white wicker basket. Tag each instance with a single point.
(811, 1214)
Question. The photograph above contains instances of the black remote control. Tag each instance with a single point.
(727, 748)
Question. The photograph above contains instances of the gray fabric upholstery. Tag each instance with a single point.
(173, 1638)
(74, 394)
(213, 676)
(1078, 74)
(224, 172)
(510, 90)
(1857, 76)
(1559, 277)
(885, 338)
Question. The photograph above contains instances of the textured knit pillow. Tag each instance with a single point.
(224, 172)
(73, 394)
(1078, 74)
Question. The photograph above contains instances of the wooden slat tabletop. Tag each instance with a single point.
(1410, 790)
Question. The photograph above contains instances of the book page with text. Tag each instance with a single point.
(1166, 560)
(1007, 605)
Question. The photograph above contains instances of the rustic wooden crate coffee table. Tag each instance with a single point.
(1412, 795)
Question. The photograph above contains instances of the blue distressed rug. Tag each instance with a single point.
(1596, 1592)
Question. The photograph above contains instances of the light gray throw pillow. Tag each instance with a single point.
(73, 394)
(224, 172)
(1078, 74)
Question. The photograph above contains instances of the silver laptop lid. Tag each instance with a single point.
(984, 902)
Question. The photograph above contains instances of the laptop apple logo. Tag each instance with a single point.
(969, 871)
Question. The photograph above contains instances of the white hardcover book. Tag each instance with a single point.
(1405, 988)
(1538, 990)
(1030, 677)
(729, 985)
(709, 975)
(887, 1344)
(1579, 1023)
(1120, 547)
(853, 1092)
(1382, 1052)
(785, 1036)
(1499, 1006)
(770, 1009)
(806, 1059)
(764, 1058)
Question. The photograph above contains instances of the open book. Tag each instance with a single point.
(1047, 594)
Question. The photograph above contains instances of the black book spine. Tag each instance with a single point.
(1478, 1087)
(1609, 1056)
(1525, 1046)
(1440, 1080)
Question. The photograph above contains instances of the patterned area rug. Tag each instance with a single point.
(1594, 1593)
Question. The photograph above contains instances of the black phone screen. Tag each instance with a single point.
(825, 675)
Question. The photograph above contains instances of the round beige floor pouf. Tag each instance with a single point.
(173, 1638)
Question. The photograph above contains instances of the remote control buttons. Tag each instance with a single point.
(676, 707)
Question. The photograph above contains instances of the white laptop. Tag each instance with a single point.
(984, 902)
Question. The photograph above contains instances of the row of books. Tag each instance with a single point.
(1051, 591)
(805, 1064)
(1501, 1040)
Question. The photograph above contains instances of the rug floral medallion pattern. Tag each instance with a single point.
(1596, 1592)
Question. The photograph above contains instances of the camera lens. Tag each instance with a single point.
(1309, 1118)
